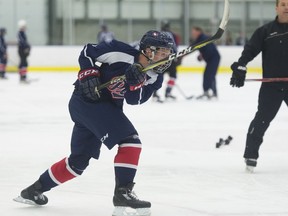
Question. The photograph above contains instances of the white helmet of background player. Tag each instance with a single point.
(157, 42)
(22, 24)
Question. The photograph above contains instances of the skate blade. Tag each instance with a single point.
(190, 97)
(250, 169)
(127, 211)
(20, 199)
(28, 81)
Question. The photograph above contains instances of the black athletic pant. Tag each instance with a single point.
(269, 102)
(23, 54)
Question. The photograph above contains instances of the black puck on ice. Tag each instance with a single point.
(224, 142)
(228, 140)
(221, 142)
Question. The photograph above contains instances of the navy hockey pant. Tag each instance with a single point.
(209, 77)
(269, 102)
(96, 123)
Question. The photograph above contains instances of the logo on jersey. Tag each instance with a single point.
(104, 137)
(117, 89)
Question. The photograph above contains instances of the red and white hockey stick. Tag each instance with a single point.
(184, 52)
(284, 79)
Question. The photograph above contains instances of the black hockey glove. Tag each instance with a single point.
(135, 78)
(89, 80)
(238, 75)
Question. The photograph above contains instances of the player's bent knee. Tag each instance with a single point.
(131, 139)
(78, 163)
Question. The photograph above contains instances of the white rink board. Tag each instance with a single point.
(67, 56)
(180, 172)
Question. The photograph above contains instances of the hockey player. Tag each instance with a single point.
(23, 51)
(105, 34)
(211, 56)
(99, 117)
(3, 54)
(272, 40)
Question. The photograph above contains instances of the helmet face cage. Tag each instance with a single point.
(158, 42)
(162, 53)
(163, 67)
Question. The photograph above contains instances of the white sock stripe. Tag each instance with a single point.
(70, 169)
(53, 177)
(125, 165)
(130, 145)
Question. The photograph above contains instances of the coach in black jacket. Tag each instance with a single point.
(272, 40)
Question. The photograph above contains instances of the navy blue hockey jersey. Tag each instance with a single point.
(112, 59)
(3, 46)
(22, 41)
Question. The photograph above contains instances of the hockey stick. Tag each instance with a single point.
(284, 79)
(184, 52)
(183, 94)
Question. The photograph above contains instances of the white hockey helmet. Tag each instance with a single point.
(22, 23)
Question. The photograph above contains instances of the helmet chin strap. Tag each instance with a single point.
(150, 60)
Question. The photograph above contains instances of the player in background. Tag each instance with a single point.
(211, 56)
(3, 54)
(23, 51)
(99, 117)
(272, 40)
(172, 70)
(105, 35)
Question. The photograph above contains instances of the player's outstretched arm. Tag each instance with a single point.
(141, 95)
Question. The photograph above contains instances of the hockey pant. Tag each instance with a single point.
(92, 128)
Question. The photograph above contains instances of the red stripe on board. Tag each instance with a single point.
(60, 172)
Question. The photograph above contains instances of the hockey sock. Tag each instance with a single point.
(2, 70)
(126, 162)
(57, 174)
(23, 73)
(171, 82)
(170, 85)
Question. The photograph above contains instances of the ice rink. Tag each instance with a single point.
(180, 172)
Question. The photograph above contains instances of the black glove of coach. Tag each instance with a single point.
(89, 79)
(135, 78)
(238, 75)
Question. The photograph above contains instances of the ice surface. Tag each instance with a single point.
(180, 172)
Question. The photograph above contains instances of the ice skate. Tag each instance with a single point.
(32, 195)
(3, 76)
(207, 96)
(250, 164)
(169, 96)
(24, 80)
(127, 203)
(157, 98)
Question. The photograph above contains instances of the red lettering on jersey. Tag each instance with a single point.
(117, 90)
